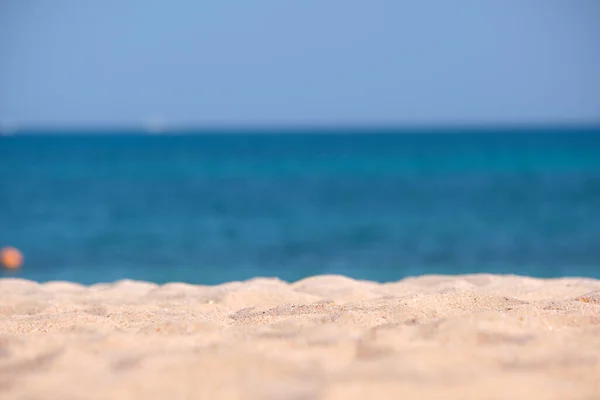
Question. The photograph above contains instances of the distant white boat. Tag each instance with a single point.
(156, 126)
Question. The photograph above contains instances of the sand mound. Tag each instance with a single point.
(325, 337)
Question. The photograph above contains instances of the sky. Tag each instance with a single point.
(260, 62)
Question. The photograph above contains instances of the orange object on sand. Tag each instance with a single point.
(11, 258)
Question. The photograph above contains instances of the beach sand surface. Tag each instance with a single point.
(325, 337)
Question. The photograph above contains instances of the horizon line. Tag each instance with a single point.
(170, 129)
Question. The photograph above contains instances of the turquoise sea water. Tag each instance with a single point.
(371, 205)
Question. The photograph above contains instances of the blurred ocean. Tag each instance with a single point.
(373, 205)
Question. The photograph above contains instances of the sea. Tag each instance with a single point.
(207, 207)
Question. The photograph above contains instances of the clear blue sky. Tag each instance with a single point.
(205, 62)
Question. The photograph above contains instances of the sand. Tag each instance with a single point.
(325, 337)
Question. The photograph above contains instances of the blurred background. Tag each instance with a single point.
(213, 141)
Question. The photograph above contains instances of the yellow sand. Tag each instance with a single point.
(326, 337)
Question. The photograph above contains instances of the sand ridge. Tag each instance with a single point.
(325, 337)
